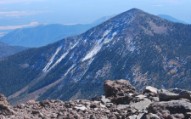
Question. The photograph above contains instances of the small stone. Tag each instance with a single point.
(109, 105)
(53, 115)
(31, 102)
(35, 112)
(92, 117)
(80, 107)
(93, 106)
(150, 116)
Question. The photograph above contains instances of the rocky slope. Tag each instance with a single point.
(137, 46)
(121, 101)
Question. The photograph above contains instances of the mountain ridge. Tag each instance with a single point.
(137, 46)
(7, 50)
(170, 18)
(43, 35)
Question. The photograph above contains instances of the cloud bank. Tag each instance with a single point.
(17, 13)
(32, 24)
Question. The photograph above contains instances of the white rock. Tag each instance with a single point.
(142, 105)
(80, 107)
(151, 89)
(141, 96)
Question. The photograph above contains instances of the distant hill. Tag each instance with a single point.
(170, 18)
(6, 50)
(45, 34)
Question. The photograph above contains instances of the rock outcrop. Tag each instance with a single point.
(5, 108)
(120, 91)
(121, 101)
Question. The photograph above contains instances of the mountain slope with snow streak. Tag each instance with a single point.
(137, 46)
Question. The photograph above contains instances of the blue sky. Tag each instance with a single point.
(22, 13)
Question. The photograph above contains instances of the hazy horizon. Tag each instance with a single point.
(22, 13)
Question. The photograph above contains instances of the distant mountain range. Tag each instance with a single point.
(45, 34)
(170, 18)
(6, 50)
(136, 46)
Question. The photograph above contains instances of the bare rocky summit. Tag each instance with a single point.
(121, 101)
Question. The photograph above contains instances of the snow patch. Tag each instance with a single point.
(46, 68)
(74, 45)
(51, 63)
(130, 44)
(63, 56)
(69, 70)
(106, 33)
(86, 68)
(114, 34)
(97, 47)
(92, 52)
(107, 40)
(132, 48)
(59, 60)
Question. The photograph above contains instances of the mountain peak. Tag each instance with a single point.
(134, 45)
(134, 10)
(133, 21)
(133, 14)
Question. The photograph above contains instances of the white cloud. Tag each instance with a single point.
(32, 24)
(19, 13)
(14, 13)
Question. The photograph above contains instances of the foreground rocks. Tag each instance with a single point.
(5, 108)
(121, 101)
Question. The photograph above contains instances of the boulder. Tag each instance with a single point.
(171, 109)
(165, 95)
(182, 93)
(151, 91)
(118, 88)
(174, 94)
(5, 108)
(119, 91)
(3, 100)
